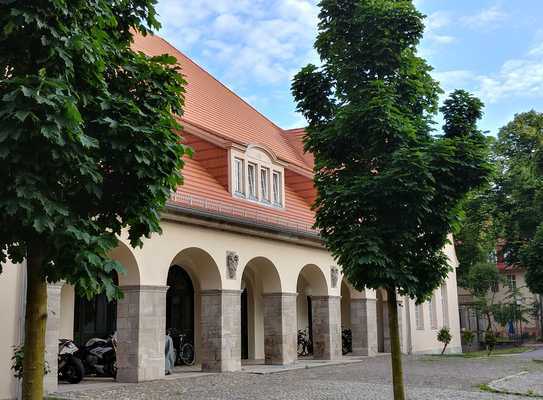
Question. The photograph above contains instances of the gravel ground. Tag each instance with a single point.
(526, 383)
(427, 377)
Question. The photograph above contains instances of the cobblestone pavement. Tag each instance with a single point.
(427, 377)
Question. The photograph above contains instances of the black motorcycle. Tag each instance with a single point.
(99, 357)
(346, 341)
(70, 367)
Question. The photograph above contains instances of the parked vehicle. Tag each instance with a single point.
(99, 357)
(70, 367)
(346, 341)
(184, 350)
(305, 347)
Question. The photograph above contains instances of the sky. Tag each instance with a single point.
(492, 48)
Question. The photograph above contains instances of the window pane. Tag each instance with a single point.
(277, 192)
(265, 184)
(238, 176)
(252, 180)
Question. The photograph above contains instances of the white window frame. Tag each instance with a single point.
(239, 176)
(277, 189)
(265, 184)
(252, 194)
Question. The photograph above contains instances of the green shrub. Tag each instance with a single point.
(490, 341)
(468, 337)
(445, 337)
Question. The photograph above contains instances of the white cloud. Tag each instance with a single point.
(516, 78)
(487, 19)
(249, 40)
(435, 22)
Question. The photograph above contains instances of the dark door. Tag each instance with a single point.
(310, 318)
(94, 318)
(180, 303)
(244, 326)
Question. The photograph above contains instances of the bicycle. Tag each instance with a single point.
(184, 351)
(305, 347)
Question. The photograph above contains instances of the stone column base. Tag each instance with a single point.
(141, 326)
(280, 333)
(326, 327)
(52, 335)
(364, 327)
(220, 327)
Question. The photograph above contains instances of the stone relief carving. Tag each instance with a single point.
(232, 261)
(334, 276)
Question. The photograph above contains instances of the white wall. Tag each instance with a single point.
(11, 284)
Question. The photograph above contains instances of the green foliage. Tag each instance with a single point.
(388, 190)
(482, 278)
(17, 362)
(468, 337)
(444, 336)
(490, 341)
(87, 140)
(520, 194)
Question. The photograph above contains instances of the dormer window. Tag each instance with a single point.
(256, 177)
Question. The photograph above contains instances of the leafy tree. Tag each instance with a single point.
(444, 336)
(87, 145)
(388, 190)
(520, 194)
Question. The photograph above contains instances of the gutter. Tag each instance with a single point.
(209, 219)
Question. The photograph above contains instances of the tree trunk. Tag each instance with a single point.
(444, 348)
(397, 372)
(35, 320)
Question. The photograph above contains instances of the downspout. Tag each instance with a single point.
(21, 333)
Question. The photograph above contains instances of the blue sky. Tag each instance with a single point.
(493, 48)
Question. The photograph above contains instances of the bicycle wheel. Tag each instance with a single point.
(187, 354)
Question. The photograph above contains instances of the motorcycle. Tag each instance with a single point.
(99, 357)
(70, 367)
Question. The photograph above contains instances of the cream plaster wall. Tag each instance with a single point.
(425, 341)
(67, 304)
(11, 287)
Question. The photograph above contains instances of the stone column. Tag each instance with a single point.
(220, 327)
(364, 326)
(386, 330)
(326, 327)
(280, 328)
(141, 326)
(52, 335)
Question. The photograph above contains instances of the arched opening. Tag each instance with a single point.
(191, 272)
(259, 277)
(180, 306)
(311, 282)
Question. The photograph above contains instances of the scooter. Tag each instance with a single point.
(70, 367)
(99, 356)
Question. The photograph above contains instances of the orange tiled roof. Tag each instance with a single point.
(215, 108)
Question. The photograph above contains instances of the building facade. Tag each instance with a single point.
(238, 267)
